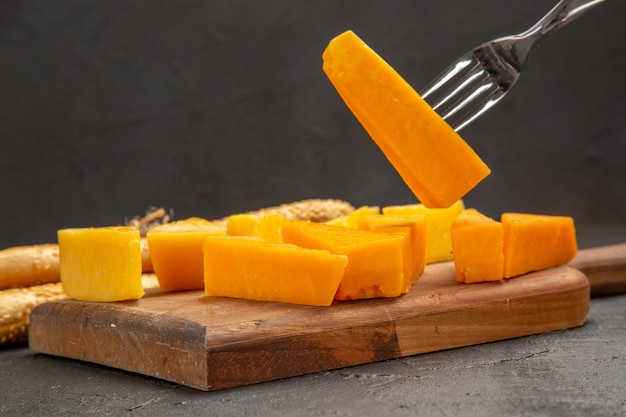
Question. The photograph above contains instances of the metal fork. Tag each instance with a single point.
(480, 78)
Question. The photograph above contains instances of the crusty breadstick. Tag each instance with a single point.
(146, 261)
(315, 210)
(16, 305)
(24, 266)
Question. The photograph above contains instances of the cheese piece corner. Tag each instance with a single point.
(352, 219)
(477, 247)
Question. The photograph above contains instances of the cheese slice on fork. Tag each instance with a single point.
(433, 160)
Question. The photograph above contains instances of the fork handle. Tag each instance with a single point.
(560, 15)
(518, 47)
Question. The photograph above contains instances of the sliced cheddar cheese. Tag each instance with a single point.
(477, 246)
(176, 253)
(265, 226)
(438, 223)
(252, 268)
(101, 263)
(242, 225)
(269, 228)
(533, 242)
(412, 229)
(433, 160)
(375, 260)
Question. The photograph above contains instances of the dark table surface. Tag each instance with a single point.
(575, 372)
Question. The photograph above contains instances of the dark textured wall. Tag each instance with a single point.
(216, 106)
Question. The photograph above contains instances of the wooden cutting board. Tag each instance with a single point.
(214, 343)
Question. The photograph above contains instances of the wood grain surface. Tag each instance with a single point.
(605, 267)
(213, 343)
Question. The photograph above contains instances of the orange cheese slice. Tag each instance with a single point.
(176, 253)
(477, 245)
(242, 225)
(438, 223)
(269, 228)
(265, 226)
(375, 260)
(533, 242)
(252, 268)
(413, 232)
(101, 263)
(434, 161)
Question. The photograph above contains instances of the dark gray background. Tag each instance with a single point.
(212, 107)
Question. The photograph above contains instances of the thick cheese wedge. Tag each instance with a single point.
(438, 223)
(176, 253)
(533, 242)
(477, 245)
(375, 260)
(413, 232)
(265, 226)
(432, 159)
(101, 264)
(253, 268)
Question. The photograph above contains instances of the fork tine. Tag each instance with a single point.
(458, 89)
(462, 92)
(474, 105)
(478, 80)
(453, 71)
